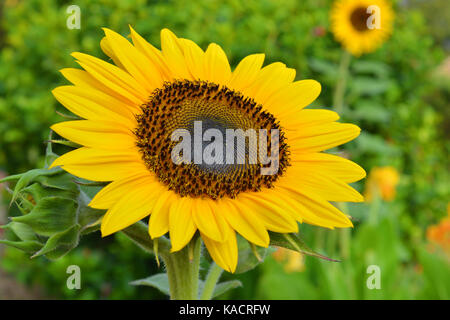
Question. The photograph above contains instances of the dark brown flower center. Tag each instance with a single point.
(359, 18)
(197, 109)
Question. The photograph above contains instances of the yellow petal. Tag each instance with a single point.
(330, 165)
(246, 72)
(315, 182)
(322, 137)
(141, 68)
(94, 105)
(208, 222)
(106, 48)
(293, 97)
(217, 68)
(113, 77)
(195, 59)
(244, 221)
(113, 192)
(83, 79)
(270, 79)
(159, 219)
(153, 54)
(307, 117)
(100, 165)
(132, 207)
(272, 216)
(181, 224)
(317, 210)
(173, 54)
(97, 134)
(225, 254)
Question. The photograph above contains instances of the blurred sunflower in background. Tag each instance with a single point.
(361, 26)
(382, 182)
(132, 108)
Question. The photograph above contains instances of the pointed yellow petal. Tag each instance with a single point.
(83, 79)
(159, 219)
(322, 137)
(195, 59)
(173, 54)
(208, 222)
(293, 97)
(246, 72)
(153, 54)
(181, 224)
(307, 117)
(225, 254)
(137, 64)
(113, 77)
(106, 48)
(217, 68)
(331, 165)
(94, 105)
(132, 207)
(317, 210)
(244, 221)
(97, 134)
(270, 79)
(101, 165)
(315, 182)
(272, 216)
(113, 192)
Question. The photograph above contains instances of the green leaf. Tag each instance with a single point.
(159, 281)
(223, 287)
(293, 242)
(369, 86)
(51, 215)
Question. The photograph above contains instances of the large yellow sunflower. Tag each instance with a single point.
(132, 108)
(361, 25)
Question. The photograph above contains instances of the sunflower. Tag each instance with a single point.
(131, 109)
(361, 25)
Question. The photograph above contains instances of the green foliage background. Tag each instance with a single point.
(394, 94)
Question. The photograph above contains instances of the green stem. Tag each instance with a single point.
(338, 103)
(338, 96)
(182, 272)
(213, 276)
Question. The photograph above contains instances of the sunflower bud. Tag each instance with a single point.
(54, 213)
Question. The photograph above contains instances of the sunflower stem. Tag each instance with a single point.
(213, 276)
(338, 96)
(338, 103)
(183, 273)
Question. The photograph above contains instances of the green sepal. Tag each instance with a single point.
(293, 242)
(50, 216)
(60, 244)
(22, 231)
(28, 246)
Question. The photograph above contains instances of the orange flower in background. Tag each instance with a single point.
(292, 261)
(439, 235)
(382, 181)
